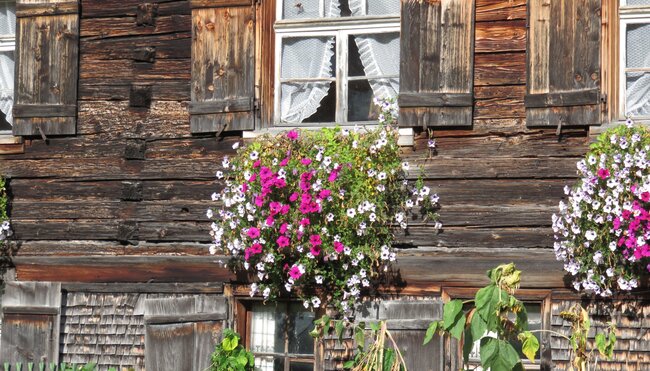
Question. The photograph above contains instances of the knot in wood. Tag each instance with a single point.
(210, 26)
(221, 72)
(594, 76)
(578, 77)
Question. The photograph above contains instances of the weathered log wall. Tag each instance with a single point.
(134, 181)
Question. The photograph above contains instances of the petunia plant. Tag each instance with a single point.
(312, 213)
(5, 229)
(602, 232)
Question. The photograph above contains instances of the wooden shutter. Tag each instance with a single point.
(30, 327)
(181, 333)
(407, 321)
(47, 48)
(563, 83)
(223, 65)
(437, 63)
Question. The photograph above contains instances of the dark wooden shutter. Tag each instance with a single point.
(407, 320)
(223, 65)
(563, 84)
(181, 333)
(30, 327)
(437, 63)
(47, 49)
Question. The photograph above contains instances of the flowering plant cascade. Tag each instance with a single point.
(603, 232)
(310, 212)
(5, 228)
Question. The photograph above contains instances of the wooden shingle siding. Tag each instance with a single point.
(47, 57)
(563, 63)
(223, 66)
(436, 68)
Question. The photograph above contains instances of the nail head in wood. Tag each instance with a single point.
(140, 96)
(146, 14)
(135, 149)
(145, 54)
(131, 191)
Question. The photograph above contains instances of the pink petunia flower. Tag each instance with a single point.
(603, 173)
(253, 232)
(293, 135)
(315, 240)
(315, 250)
(338, 247)
(295, 272)
(305, 161)
(283, 241)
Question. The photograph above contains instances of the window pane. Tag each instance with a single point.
(308, 57)
(297, 9)
(383, 7)
(637, 2)
(6, 88)
(269, 364)
(7, 17)
(378, 54)
(638, 48)
(301, 322)
(301, 366)
(308, 102)
(637, 93)
(361, 93)
(267, 328)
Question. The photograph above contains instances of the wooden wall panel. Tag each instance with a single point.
(135, 181)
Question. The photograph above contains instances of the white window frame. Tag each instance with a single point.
(7, 43)
(628, 15)
(340, 28)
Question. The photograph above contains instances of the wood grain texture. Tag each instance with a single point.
(436, 58)
(223, 67)
(47, 52)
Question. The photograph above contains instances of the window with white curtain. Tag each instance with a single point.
(634, 71)
(279, 337)
(332, 58)
(7, 47)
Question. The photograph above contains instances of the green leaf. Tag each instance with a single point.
(487, 305)
(326, 324)
(374, 326)
(459, 326)
(451, 312)
(339, 326)
(498, 355)
(522, 319)
(601, 343)
(348, 364)
(468, 343)
(431, 330)
(359, 336)
(529, 345)
(477, 326)
(389, 358)
(230, 343)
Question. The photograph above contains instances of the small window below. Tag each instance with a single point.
(634, 85)
(333, 57)
(278, 335)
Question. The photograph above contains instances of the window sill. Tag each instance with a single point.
(405, 134)
(10, 144)
(597, 130)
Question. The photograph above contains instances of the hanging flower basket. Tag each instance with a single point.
(602, 232)
(312, 213)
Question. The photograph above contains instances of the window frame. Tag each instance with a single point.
(340, 28)
(8, 43)
(627, 15)
(243, 324)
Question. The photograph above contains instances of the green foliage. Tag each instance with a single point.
(376, 348)
(30, 366)
(230, 355)
(5, 231)
(494, 306)
(578, 317)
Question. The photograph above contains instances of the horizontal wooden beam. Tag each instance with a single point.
(37, 10)
(44, 110)
(221, 106)
(30, 310)
(195, 4)
(435, 100)
(196, 317)
(154, 288)
(563, 99)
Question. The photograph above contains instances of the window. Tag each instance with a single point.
(634, 71)
(278, 335)
(333, 57)
(7, 47)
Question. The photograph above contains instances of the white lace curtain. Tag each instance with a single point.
(7, 32)
(312, 57)
(638, 83)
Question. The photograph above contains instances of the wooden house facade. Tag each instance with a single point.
(122, 111)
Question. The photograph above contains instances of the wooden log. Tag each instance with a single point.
(100, 28)
(500, 69)
(109, 89)
(500, 10)
(128, 8)
(127, 70)
(109, 248)
(167, 46)
(500, 36)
